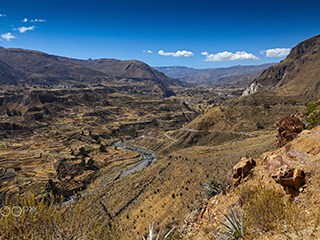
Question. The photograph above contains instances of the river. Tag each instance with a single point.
(147, 158)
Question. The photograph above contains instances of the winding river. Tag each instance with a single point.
(147, 158)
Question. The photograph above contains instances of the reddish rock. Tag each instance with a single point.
(288, 129)
(291, 179)
(241, 170)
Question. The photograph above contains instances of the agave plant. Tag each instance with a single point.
(234, 226)
(157, 236)
(212, 188)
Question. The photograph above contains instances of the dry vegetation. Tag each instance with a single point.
(49, 220)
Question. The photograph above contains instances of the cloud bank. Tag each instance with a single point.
(229, 56)
(276, 52)
(38, 20)
(7, 36)
(25, 29)
(147, 51)
(179, 53)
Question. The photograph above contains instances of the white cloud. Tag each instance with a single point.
(228, 56)
(25, 29)
(38, 20)
(24, 20)
(7, 36)
(180, 53)
(147, 51)
(3, 15)
(276, 52)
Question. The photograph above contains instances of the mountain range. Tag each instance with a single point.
(236, 75)
(27, 67)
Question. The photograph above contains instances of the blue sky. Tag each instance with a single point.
(200, 34)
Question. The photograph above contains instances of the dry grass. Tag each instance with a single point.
(267, 211)
(264, 209)
(49, 221)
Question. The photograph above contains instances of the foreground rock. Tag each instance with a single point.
(241, 170)
(291, 179)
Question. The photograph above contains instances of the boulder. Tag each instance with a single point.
(241, 170)
(291, 179)
(288, 129)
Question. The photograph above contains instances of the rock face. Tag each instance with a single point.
(241, 170)
(291, 179)
(288, 129)
(295, 77)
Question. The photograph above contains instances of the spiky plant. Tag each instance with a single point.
(234, 226)
(151, 234)
(212, 188)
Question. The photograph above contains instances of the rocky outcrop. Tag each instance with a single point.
(291, 179)
(288, 129)
(251, 89)
(241, 170)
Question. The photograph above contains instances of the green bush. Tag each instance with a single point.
(312, 115)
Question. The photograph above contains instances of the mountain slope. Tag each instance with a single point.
(8, 74)
(279, 91)
(118, 68)
(132, 69)
(218, 76)
(297, 76)
(298, 216)
(40, 68)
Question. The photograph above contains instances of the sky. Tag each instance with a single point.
(199, 33)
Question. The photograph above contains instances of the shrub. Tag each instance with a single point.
(213, 187)
(264, 209)
(312, 115)
(102, 148)
(84, 151)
